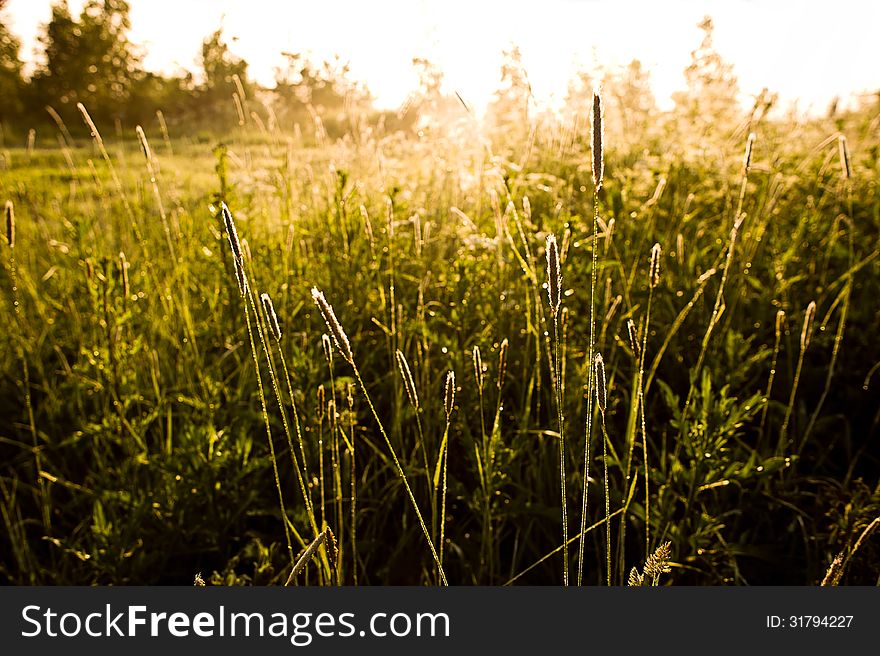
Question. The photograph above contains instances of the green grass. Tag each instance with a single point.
(142, 454)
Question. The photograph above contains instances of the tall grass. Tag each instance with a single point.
(150, 345)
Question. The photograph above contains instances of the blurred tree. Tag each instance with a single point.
(308, 94)
(11, 82)
(629, 98)
(508, 113)
(709, 103)
(429, 107)
(224, 93)
(89, 60)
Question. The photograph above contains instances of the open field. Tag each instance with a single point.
(141, 444)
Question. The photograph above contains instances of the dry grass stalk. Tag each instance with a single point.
(409, 383)
(601, 389)
(333, 324)
(123, 270)
(747, 159)
(554, 275)
(633, 339)
(479, 374)
(843, 150)
(322, 403)
(502, 362)
(303, 560)
(597, 138)
(271, 317)
(449, 394)
(807, 329)
(10, 224)
(656, 251)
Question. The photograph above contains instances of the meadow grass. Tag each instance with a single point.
(149, 433)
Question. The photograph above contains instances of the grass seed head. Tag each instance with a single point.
(231, 232)
(502, 362)
(654, 276)
(597, 135)
(554, 274)
(10, 224)
(658, 562)
(333, 324)
(123, 270)
(601, 390)
(449, 394)
(145, 146)
(843, 150)
(235, 246)
(332, 415)
(271, 317)
(807, 330)
(780, 322)
(322, 400)
(409, 383)
(747, 160)
(478, 367)
(633, 338)
(327, 345)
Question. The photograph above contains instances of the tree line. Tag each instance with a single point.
(88, 58)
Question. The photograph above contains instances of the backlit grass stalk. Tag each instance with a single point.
(344, 346)
(351, 436)
(99, 142)
(151, 171)
(601, 402)
(482, 459)
(9, 212)
(247, 295)
(653, 282)
(835, 349)
(335, 463)
(322, 409)
(275, 331)
(778, 329)
(276, 388)
(554, 291)
(806, 334)
(441, 468)
(598, 171)
(409, 385)
(739, 217)
(846, 174)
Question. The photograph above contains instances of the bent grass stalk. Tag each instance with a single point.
(409, 385)
(780, 323)
(248, 296)
(276, 387)
(806, 334)
(344, 346)
(448, 407)
(151, 171)
(275, 330)
(738, 219)
(9, 211)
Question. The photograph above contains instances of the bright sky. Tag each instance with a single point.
(810, 50)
